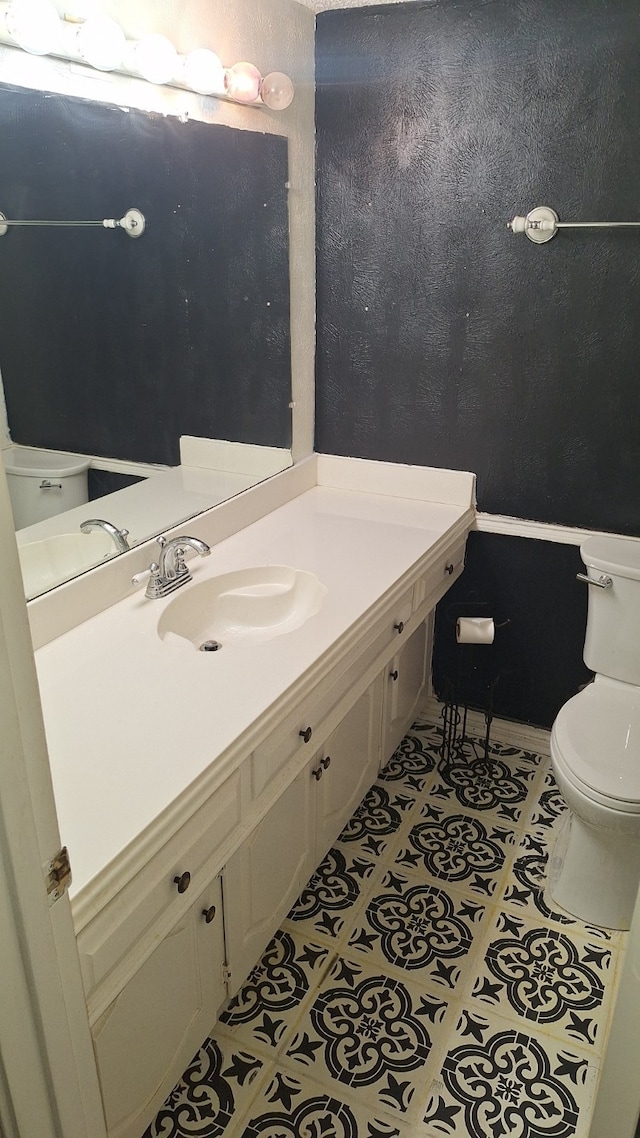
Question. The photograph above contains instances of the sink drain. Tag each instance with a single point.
(210, 646)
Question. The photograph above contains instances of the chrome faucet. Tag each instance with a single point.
(171, 571)
(119, 535)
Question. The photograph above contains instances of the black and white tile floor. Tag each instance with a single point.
(420, 986)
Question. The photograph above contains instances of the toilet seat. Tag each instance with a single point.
(596, 742)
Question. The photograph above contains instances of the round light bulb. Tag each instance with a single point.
(101, 42)
(242, 82)
(277, 91)
(203, 72)
(155, 57)
(34, 25)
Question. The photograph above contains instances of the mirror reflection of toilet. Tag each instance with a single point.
(594, 871)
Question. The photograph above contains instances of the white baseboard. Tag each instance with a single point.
(503, 730)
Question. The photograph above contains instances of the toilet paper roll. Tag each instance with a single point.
(475, 630)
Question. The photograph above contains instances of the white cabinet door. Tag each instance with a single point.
(263, 878)
(347, 766)
(148, 1034)
(405, 684)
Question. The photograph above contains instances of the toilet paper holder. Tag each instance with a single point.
(458, 693)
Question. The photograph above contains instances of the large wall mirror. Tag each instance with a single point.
(114, 349)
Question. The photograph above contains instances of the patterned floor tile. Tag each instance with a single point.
(294, 1107)
(549, 804)
(467, 1007)
(266, 1007)
(371, 1033)
(412, 765)
(215, 1090)
(548, 977)
(459, 848)
(500, 1078)
(525, 886)
(500, 787)
(374, 825)
(327, 902)
(424, 930)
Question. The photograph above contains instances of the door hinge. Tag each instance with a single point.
(58, 875)
(226, 974)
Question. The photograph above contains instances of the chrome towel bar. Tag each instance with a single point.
(133, 223)
(542, 223)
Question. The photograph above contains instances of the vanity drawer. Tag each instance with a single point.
(272, 756)
(298, 732)
(429, 588)
(131, 923)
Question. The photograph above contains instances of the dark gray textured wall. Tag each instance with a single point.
(116, 347)
(442, 338)
(445, 340)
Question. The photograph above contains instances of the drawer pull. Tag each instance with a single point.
(318, 772)
(183, 881)
(306, 734)
(209, 914)
(326, 762)
(448, 569)
(393, 675)
(399, 627)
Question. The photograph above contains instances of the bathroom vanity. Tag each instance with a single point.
(197, 791)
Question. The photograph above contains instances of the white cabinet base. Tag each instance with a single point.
(162, 1015)
(406, 683)
(265, 875)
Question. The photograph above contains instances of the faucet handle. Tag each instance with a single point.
(152, 577)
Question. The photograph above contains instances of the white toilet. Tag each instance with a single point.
(594, 871)
(44, 483)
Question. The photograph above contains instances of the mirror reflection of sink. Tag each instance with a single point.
(54, 559)
(247, 606)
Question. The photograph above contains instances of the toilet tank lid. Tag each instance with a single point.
(617, 555)
(34, 463)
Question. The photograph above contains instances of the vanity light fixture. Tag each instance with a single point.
(276, 91)
(99, 41)
(242, 82)
(34, 25)
(202, 70)
(154, 58)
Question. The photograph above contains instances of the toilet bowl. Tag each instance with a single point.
(594, 869)
(595, 753)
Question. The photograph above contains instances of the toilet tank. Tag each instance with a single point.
(43, 483)
(612, 641)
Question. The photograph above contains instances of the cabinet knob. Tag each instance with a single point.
(326, 762)
(399, 627)
(318, 773)
(209, 914)
(393, 675)
(183, 881)
(306, 734)
(448, 569)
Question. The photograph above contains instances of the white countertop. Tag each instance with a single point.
(132, 722)
(149, 506)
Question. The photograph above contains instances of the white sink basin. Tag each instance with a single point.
(247, 606)
(49, 562)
